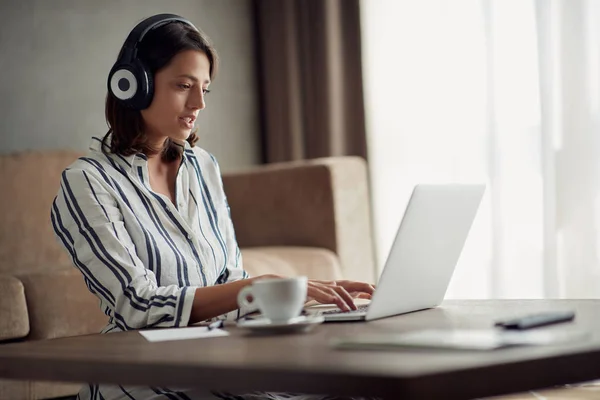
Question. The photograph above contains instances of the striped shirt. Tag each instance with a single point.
(142, 255)
(139, 253)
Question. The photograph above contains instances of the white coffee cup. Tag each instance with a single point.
(278, 299)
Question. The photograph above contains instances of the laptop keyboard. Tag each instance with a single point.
(360, 309)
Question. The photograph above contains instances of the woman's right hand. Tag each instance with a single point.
(341, 293)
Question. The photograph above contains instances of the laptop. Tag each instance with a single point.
(424, 253)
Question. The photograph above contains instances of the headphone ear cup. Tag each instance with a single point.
(131, 84)
(122, 83)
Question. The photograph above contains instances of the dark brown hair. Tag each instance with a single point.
(156, 51)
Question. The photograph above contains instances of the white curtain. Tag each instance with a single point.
(505, 92)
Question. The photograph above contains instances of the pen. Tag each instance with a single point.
(215, 325)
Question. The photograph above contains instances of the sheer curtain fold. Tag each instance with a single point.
(504, 92)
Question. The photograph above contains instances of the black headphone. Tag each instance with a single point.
(129, 80)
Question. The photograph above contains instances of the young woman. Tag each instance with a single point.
(144, 215)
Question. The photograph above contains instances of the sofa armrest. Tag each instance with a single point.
(315, 203)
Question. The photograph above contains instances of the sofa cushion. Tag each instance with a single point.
(316, 263)
(60, 305)
(14, 321)
(30, 181)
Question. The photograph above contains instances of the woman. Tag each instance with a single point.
(144, 215)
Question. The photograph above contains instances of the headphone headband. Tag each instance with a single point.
(137, 34)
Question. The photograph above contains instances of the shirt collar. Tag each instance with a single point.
(127, 162)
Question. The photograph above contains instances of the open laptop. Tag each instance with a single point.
(427, 246)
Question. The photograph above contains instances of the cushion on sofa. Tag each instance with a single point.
(14, 320)
(316, 263)
(30, 180)
(60, 305)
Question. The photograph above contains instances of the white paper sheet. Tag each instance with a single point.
(198, 332)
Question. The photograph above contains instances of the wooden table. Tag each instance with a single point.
(306, 363)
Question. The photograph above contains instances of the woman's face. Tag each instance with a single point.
(179, 90)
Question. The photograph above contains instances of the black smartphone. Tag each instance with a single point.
(536, 320)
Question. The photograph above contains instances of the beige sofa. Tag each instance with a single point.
(302, 218)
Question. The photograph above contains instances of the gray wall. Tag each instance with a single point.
(55, 56)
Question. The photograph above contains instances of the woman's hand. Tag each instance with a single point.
(341, 293)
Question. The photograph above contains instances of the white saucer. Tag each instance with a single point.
(265, 325)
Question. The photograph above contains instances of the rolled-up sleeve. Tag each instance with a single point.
(89, 224)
